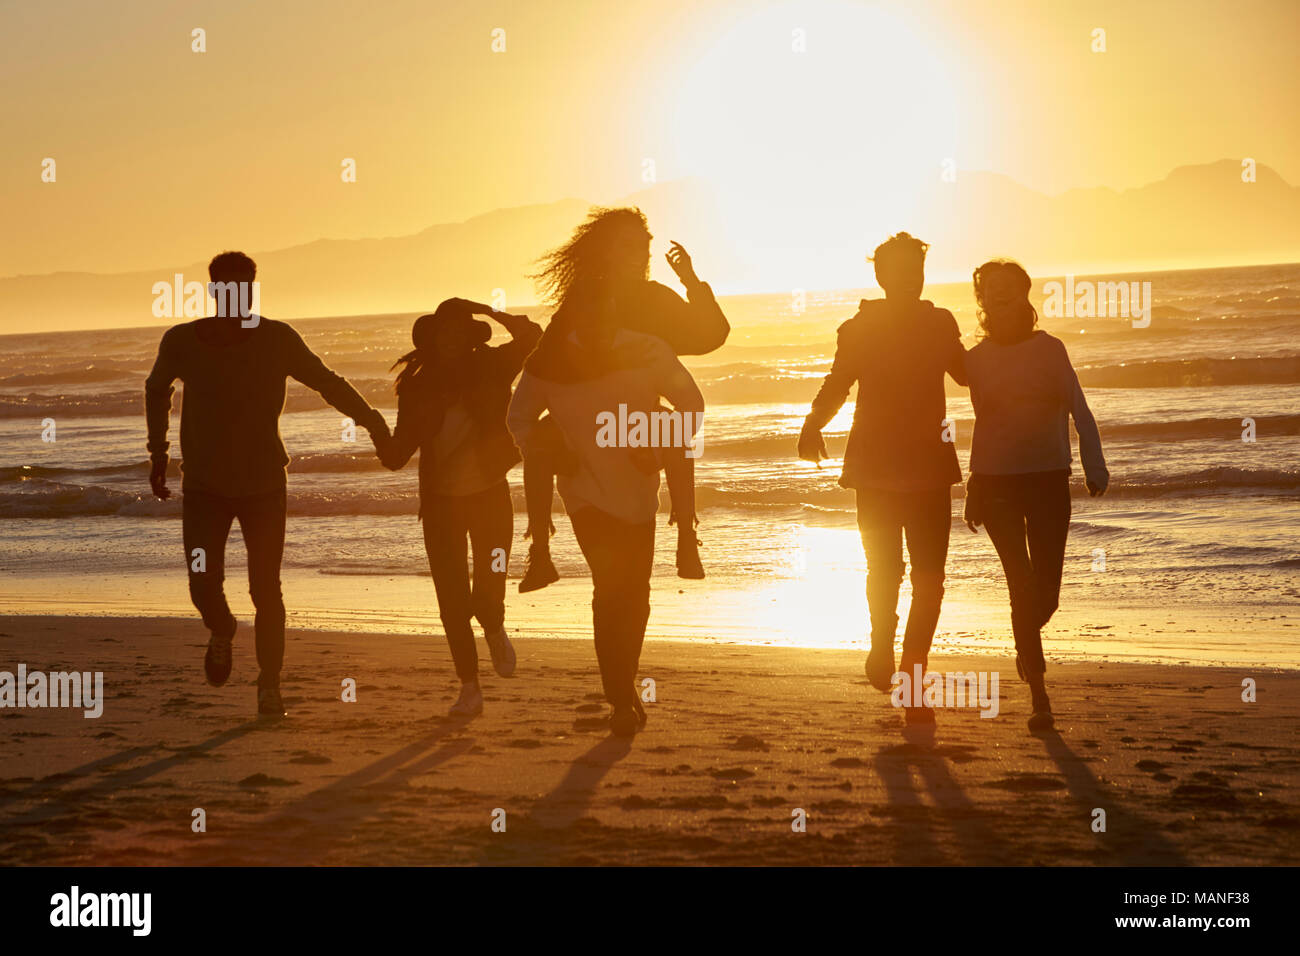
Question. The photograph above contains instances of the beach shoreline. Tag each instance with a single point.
(741, 739)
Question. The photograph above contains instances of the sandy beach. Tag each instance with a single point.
(739, 739)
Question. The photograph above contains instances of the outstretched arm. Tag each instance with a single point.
(306, 366)
(396, 450)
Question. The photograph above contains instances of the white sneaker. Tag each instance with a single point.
(503, 653)
(470, 701)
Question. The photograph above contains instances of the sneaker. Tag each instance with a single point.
(540, 571)
(689, 565)
(470, 701)
(1041, 718)
(880, 668)
(502, 651)
(269, 702)
(623, 722)
(217, 661)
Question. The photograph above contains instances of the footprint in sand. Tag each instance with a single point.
(1029, 783)
(1206, 795)
(731, 773)
(589, 708)
(307, 758)
(262, 780)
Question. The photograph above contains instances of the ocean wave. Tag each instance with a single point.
(1194, 373)
(122, 402)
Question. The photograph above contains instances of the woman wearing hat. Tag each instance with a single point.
(452, 394)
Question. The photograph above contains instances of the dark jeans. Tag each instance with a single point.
(924, 518)
(620, 556)
(1028, 520)
(486, 518)
(206, 520)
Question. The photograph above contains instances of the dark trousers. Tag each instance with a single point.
(620, 556)
(206, 520)
(885, 519)
(1028, 519)
(486, 520)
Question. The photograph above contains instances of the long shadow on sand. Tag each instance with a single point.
(304, 831)
(61, 800)
(562, 809)
(1134, 840)
(914, 823)
(571, 797)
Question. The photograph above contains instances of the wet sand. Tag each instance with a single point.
(742, 742)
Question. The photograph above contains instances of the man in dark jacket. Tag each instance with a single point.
(900, 457)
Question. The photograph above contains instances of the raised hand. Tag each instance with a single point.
(680, 260)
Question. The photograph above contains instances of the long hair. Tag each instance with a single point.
(1005, 325)
(422, 337)
(578, 266)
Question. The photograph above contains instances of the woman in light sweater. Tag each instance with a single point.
(594, 372)
(1024, 391)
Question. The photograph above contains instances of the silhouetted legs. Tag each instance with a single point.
(620, 555)
(1028, 520)
(550, 456)
(206, 521)
(486, 521)
(885, 519)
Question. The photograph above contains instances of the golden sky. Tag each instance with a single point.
(164, 155)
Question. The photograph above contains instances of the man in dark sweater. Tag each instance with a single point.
(901, 458)
(233, 368)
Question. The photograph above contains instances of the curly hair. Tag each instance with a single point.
(584, 257)
(898, 245)
(1006, 324)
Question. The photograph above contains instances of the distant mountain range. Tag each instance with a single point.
(1196, 216)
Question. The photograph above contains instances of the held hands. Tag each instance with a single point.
(158, 479)
(812, 447)
(680, 260)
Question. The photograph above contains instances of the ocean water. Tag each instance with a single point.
(1197, 519)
